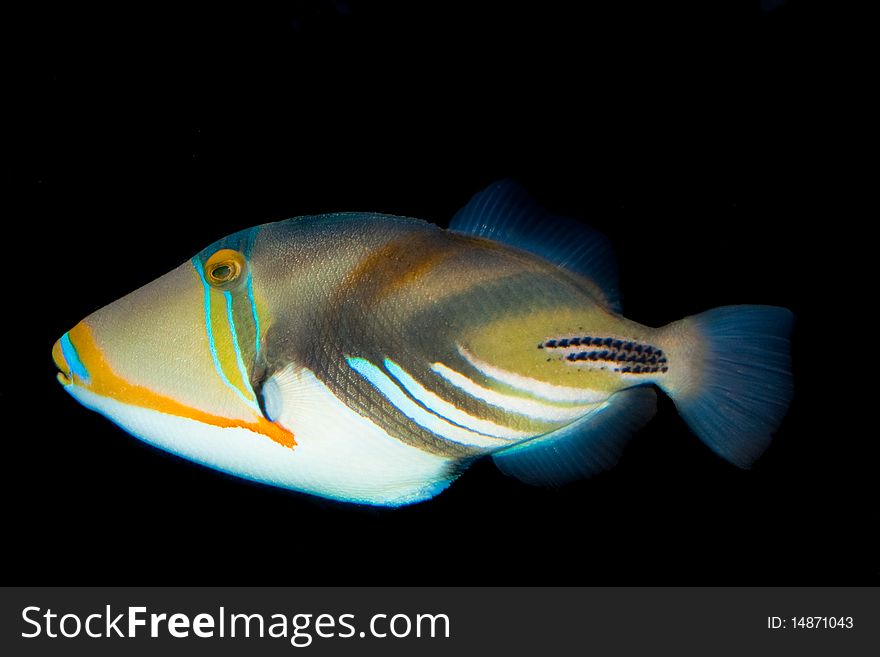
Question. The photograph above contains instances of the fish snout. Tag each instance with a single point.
(71, 368)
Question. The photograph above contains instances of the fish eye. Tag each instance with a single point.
(224, 268)
(222, 272)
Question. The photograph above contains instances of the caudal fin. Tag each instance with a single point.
(730, 376)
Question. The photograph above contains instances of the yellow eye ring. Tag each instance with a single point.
(224, 268)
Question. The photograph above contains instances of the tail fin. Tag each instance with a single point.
(730, 376)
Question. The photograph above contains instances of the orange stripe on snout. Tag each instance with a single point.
(105, 382)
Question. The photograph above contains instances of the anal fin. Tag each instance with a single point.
(585, 447)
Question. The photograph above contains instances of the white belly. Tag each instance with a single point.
(339, 454)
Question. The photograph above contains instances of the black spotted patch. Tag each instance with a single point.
(618, 355)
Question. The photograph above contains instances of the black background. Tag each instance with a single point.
(694, 136)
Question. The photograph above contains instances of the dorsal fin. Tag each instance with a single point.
(504, 212)
(584, 448)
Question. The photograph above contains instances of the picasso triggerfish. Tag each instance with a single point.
(371, 358)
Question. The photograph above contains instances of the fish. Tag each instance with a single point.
(371, 358)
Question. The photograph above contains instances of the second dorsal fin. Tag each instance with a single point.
(504, 212)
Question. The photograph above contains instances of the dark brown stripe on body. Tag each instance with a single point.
(355, 322)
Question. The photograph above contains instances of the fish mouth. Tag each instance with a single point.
(83, 371)
(67, 360)
(63, 376)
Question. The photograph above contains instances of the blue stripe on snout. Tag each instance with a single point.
(72, 358)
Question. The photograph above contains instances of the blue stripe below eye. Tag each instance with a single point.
(72, 358)
(201, 272)
(250, 295)
(242, 370)
(248, 248)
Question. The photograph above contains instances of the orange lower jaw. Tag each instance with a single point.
(102, 380)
